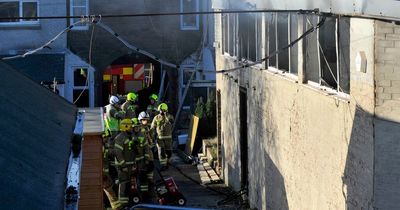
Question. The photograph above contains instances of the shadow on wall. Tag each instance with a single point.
(357, 178)
(274, 189)
(387, 164)
(266, 183)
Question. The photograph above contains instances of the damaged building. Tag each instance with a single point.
(316, 125)
(183, 40)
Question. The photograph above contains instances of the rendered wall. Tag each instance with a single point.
(307, 149)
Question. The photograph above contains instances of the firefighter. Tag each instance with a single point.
(144, 156)
(129, 107)
(112, 117)
(152, 107)
(162, 123)
(124, 160)
(108, 183)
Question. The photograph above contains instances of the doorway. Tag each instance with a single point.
(243, 137)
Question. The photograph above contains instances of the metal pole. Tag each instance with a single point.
(183, 99)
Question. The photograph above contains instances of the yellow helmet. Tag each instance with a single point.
(163, 107)
(125, 125)
(135, 121)
(154, 97)
(131, 96)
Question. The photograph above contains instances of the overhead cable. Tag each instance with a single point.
(163, 14)
(46, 45)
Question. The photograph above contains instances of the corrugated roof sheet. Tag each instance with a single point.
(41, 67)
(35, 130)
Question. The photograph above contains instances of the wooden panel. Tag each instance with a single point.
(91, 177)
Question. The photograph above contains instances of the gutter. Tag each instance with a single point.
(74, 166)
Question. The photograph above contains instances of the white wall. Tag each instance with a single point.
(72, 61)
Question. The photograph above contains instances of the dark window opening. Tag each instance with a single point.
(243, 137)
(231, 37)
(29, 9)
(247, 35)
(83, 96)
(224, 26)
(327, 49)
(219, 138)
(80, 77)
(271, 23)
(344, 54)
(9, 9)
(311, 49)
(283, 41)
(259, 38)
(294, 51)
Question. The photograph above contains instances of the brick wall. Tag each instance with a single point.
(387, 71)
(387, 112)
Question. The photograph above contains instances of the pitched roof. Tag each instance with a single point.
(41, 67)
(35, 130)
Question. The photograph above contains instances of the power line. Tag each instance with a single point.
(175, 66)
(163, 14)
(309, 31)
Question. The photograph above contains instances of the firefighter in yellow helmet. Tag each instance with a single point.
(124, 159)
(162, 123)
(130, 106)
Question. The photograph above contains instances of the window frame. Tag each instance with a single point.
(22, 22)
(227, 44)
(190, 28)
(320, 57)
(71, 20)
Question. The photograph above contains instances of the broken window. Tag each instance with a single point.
(344, 54)
(327, 52)
(311, 55)
(271, 37)
(80, 77)
(281, 30)
(81, 90)
(27, 8)
(79, 8)
(259, 41)
(229, 31)
(283, 35)
(189, 22)
(294, 50)
(247, 36)
(225, 33)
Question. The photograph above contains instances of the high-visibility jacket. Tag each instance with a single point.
(130, 109)
(112, 117)
(163, 125)
(124, 150)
